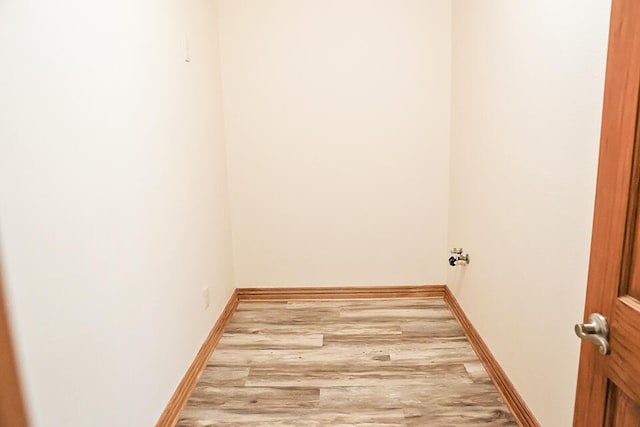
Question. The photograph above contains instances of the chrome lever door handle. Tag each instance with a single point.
(595, 330)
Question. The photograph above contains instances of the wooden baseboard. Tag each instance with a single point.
(512, 398)
(179, 399)
(343, 292)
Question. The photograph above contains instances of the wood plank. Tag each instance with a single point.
(292, 357)
(290, 317)
(471, 417)
(384, 314)
(250, 398)
(336, 328)
(427, 355)
(477, 372)
(200, 417)
(270, 341)
(346, 375)
(443, 394)
(388, 339)
(226, 376)
(444, 327)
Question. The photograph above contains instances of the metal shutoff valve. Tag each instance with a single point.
(457, 257)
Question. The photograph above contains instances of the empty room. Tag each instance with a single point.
(319, 213)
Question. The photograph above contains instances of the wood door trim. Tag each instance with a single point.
(12, 408)
(180, 397)
(341, 292)
(505, 387)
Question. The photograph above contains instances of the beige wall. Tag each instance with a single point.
(528, 80)
(113, 201)
(337, 125)
(113, 193)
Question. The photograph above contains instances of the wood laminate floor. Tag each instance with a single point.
(345, 363)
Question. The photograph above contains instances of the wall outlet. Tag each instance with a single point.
(205, 296)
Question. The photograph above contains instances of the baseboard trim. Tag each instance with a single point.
(342, 292)
(180, 397)
(512, 398)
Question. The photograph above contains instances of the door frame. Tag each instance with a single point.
(12, 408)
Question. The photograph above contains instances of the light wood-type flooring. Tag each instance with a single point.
(402, 362)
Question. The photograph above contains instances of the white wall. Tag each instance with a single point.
(528, 81)
(337, 125)
(113, 201)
